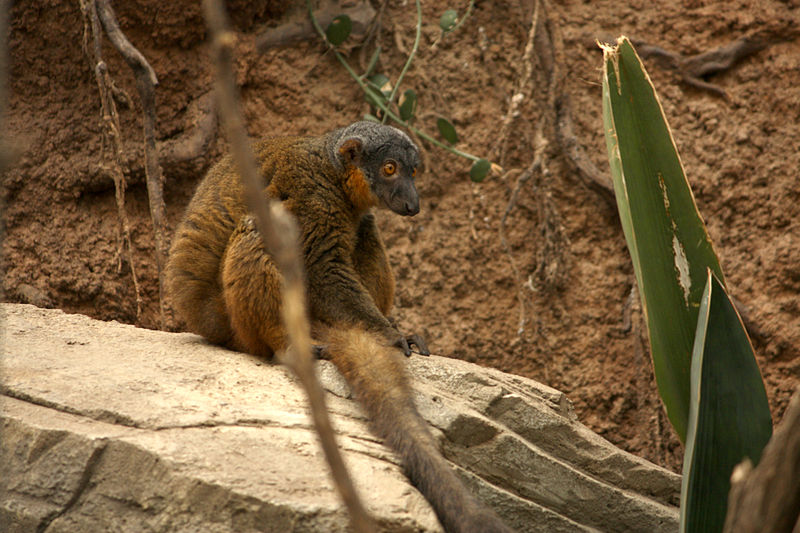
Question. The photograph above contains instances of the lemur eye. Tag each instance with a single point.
(414, 172)
(389, 167)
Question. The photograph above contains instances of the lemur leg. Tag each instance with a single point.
(372, 265)
(251, 287)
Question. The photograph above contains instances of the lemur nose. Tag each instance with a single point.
(412, 208)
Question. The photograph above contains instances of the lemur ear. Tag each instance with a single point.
(350, 150)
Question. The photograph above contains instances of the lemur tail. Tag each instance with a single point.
(377, 375)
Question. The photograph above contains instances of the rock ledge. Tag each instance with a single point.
(107, 427)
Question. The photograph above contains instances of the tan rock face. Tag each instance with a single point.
(106, 427)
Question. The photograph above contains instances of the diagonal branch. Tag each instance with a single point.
(280, 236)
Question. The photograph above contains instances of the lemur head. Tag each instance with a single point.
(386, 158)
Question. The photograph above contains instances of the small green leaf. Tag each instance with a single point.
(448, 20)
(408, 104)
(369, 117)
(339, 30)
(479, 170)
(381, 83)
(447, 130)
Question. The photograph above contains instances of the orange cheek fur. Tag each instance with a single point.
(358, 189)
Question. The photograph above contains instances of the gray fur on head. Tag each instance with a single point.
(372, 136)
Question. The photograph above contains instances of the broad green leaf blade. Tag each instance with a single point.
(479, 170)
(447, 130)
(666, 236)
(339, 30)
(729, 417)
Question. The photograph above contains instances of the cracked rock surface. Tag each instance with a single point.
(107, 427)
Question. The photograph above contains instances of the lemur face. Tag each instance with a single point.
(389, 160)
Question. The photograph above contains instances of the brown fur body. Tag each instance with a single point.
(227, 288)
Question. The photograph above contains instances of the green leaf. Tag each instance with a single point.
(381, 83)
(479, 170)
(448, 20)
(339, 30)
(667, 239)
(447, 130)
(378, 90)
(370, 117)
(729, 417)
(408, 104)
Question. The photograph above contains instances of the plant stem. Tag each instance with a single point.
(465, 17)
(410, 57)
(377, 101)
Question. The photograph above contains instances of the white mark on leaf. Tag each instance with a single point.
(682, 267)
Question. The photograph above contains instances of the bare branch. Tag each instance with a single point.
(111, 132)
(280, 236)
(145, 83)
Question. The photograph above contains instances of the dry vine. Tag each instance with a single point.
(280, 236)
(98, 18)
(111, 134)
(549, 272)
(145, 83)
(545, 47)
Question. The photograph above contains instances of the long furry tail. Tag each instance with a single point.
(376, 373)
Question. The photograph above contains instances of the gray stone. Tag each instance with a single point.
(107, 427)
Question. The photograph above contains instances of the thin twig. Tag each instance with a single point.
(111, 131)
(280, 236)
(145, 83)
(295, 26)
(521, 93)
(5, 157)
(692, 69)
(523, 178)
